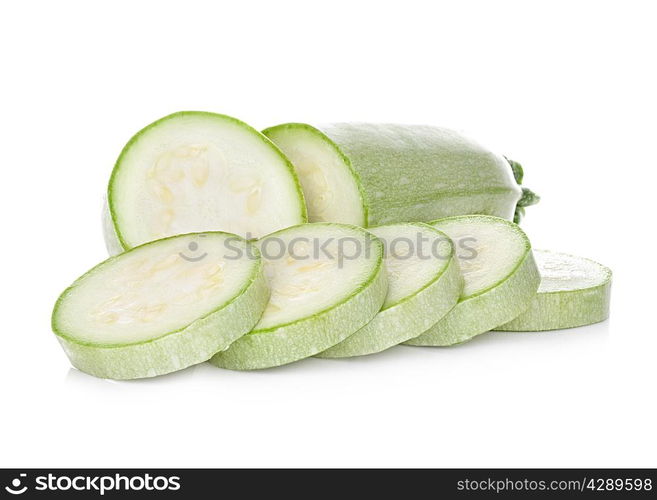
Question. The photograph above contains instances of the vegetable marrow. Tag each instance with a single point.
(424, 283)
(574, 291)
(162, 306)
(327, 281)
(196, 171)
(501, 278)
(369, 174)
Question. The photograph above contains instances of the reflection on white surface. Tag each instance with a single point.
(550, 345)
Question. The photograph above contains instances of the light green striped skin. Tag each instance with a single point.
(408, 317)
(411, 173)
(489, 308)
(310, 335)
(173, 351)
(568, 303)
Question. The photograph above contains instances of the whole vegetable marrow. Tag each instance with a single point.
(374, 174)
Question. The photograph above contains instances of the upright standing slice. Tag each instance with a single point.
(326, 280)
(196, 171)
(162, 306)
(500, 275)
(574, 292)
(373, 174)
(424, 283)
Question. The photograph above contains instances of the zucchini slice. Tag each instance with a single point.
(574, 291)
(375, 174)
(162, 306)
(424, 283)
(501, 278)
(327, 281)
(196, 171)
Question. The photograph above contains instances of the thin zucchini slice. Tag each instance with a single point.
(574, 291)
(501, 278)
(327, 281)
(195, 171)
(162, 306)
(424, 284)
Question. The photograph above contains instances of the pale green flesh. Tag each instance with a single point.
(162, 306)
(424, 284)
(500, 281)
(315, 302)
(574, 291)
(400, 172)
(195, 171)
(330, 186)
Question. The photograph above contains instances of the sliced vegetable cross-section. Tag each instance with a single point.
(501, 278)
(162, 306)
(424, 283)
(196, 171)
(327, 281)
(574, 291)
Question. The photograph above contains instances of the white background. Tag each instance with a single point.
(566, 88)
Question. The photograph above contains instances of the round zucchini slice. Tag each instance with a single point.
(424, 284)
(162, 306)
(501, 278)
(196, 171)
(574, 291)
(327, 281)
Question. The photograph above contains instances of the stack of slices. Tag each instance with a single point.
(253, 250)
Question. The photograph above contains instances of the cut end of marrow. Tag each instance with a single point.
(501, 278)
(162, 306)
(331, 186)
(424, 283)
(326, 280)
(197, 171)
(574, 291)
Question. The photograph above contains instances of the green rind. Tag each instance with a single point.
(564, 309)
(489, 308)
(484, 312)
(172, 351)
(409, 172)
(308, 336)
(114, 238)
(406, 319)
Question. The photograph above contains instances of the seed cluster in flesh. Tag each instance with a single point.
(153, 289)
(179, 177)
(314, 182)
(329, 185)
(133, 304)
(303, 279)
(485, 256)
(193, 172)
(175, 175)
